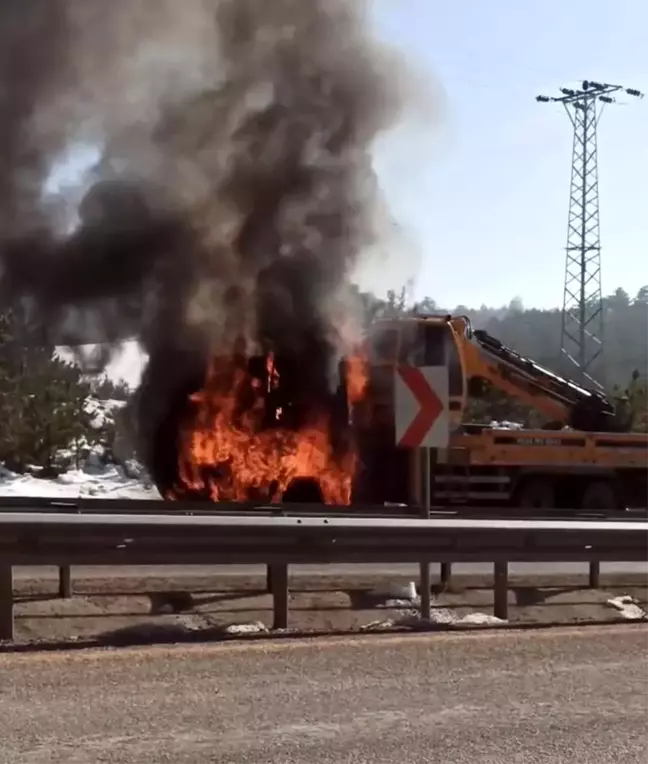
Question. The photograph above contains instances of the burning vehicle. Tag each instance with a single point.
(243, 434)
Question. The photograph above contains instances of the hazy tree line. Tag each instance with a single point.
(536, 333)
(44, 409)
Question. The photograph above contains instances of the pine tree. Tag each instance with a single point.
(42, 402)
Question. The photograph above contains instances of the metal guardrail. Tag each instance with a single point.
(91, 506)
(86, 506)
(68, 538)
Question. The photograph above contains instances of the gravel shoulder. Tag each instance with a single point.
(572, 695)
(123, 610)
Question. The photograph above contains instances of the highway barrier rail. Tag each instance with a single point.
(82, 505)
(67, 538)
(31, 538)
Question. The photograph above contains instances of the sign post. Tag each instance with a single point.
(425, 578)
(423, 423)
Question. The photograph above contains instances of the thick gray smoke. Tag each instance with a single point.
(235, 191)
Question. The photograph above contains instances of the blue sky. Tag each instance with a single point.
(486, 197)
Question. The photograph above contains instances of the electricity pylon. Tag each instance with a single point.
(581, 339)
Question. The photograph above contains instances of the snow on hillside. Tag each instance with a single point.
(92, 478)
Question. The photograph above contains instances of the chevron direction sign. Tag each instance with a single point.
(421, 406)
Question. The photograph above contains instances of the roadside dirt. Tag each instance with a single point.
(118, 611)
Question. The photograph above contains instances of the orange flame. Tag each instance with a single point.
(357, 378)
(228, 451)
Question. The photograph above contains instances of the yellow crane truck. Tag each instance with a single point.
(583, 458)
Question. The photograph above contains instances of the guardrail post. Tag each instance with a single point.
(425, 586)
(279, 577)
(446, 573)
(269, 587)
(65, 582)
(6, 603)
(500, 594)
(594, 575)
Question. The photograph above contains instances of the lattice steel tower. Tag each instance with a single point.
(581, 340)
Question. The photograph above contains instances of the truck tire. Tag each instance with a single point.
(600, 495)
(536, 493)
(303, 491)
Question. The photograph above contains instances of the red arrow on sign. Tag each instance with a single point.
(430, 406)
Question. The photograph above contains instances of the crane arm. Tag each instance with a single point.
(558, 398)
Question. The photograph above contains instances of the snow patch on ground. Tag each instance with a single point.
(407, 600)
(628, 607)
(109, 482)
(439, 616)
(182, 629)
(246, 628)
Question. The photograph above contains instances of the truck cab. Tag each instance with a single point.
(387, 472)
(416, 341)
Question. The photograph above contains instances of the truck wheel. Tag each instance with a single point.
(600, 495)
(536, 493)
(303, 491)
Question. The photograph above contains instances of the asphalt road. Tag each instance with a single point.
(553, 697)
(172, 571)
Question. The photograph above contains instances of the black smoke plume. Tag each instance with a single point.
(235, 190)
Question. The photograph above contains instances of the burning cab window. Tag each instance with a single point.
(384, 346)
(412, 349)
(437, 344)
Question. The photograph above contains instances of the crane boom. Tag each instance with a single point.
(473, 357)
(560, 398)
